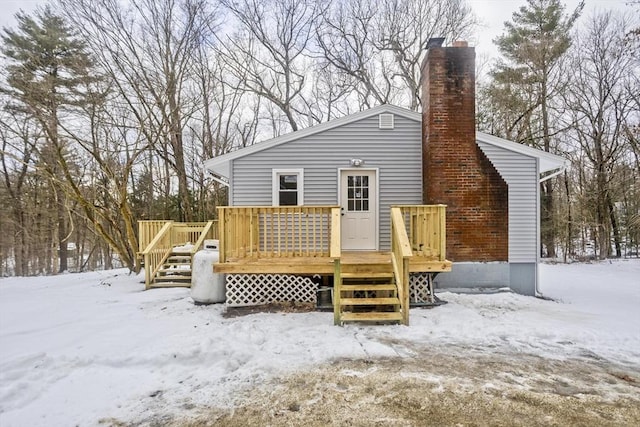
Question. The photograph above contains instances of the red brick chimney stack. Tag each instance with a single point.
(455, 172)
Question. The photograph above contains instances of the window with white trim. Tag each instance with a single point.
(288, 187)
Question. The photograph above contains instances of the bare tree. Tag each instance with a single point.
(18, 153)
(600, 105)
(268, 53)
(379, 44)
(147, 47)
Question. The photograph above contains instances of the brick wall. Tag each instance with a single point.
(455, 171)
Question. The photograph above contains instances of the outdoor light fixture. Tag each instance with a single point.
(356, 162)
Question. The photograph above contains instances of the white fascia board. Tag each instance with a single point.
(547, 161)
(221, 164)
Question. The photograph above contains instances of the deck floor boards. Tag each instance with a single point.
(322, 265)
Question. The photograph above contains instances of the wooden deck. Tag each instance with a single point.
(324, 265)
(293, 241)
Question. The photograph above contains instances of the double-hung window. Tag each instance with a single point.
(288, 187)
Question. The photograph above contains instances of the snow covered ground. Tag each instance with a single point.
(79, 348)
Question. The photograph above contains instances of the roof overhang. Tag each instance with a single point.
(549, 164)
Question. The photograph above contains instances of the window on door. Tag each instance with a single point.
(288, 187)
(358, 193)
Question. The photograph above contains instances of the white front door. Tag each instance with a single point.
(359, 201)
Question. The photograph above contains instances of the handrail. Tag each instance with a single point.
(426, 228)
(159, 249)
(163, 231)
(401, 253)
(203, 236)
(400, 233)
(147, 230)
(156, 252)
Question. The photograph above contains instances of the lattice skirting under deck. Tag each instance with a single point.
(420, 289)
(256, 289)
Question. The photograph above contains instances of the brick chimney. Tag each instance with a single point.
(455, 172)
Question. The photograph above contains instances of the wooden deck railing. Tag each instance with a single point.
(275, 231)
(401, 253)
(147, 230)
(170, 235)
(426, 230)
(156, 252)
(186, 231)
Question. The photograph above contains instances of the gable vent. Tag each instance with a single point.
(385, 121)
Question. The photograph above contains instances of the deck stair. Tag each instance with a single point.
(367, 290)
(168, 250)
(175, 271)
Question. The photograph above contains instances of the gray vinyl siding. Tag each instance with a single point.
(521, 174)
(396, 153)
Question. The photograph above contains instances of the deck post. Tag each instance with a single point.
(443, 232)
(222, 243)
(405, 292)
(337, 284)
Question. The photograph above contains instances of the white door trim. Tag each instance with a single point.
(376, 202)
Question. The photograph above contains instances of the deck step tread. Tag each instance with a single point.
(371, 275)
(174, 278)
(369, 287)
(175, 271)
(369, 301)
(171, 285)
(372, 316)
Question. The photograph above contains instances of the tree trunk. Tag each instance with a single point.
(568, 249)
(548, 217)
(62, 233)
(614, 226)
(546, 220)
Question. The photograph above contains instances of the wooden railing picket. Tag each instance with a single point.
(426, 230)
(275, 231)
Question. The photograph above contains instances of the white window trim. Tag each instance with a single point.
(275, 184)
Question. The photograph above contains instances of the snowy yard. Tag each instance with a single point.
(84, 349)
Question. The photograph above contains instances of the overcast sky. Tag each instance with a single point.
(491, 13)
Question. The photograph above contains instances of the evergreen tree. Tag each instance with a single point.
(48, 67)
(533, 45)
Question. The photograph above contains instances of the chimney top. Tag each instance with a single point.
(460, 43)
(434, 42)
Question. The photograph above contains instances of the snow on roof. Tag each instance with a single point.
(220, 165)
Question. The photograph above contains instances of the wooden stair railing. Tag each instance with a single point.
(374, 289)
(156, 252)
(367, 292)
(168, 266)
(400, 255)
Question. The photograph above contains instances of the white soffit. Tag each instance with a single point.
(548, 162)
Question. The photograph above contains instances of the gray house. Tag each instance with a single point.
(369, 161)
